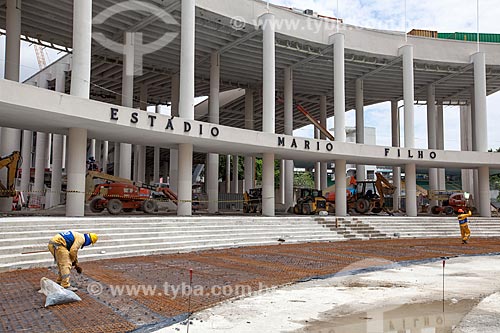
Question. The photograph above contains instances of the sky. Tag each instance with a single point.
(379, 14)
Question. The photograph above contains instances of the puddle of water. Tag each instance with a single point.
(414, 318)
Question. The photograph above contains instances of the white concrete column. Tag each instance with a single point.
(228, 173)
(268, 109)
(135, 165)
(12, 39)
(440, 143)
(40, 156)
(431, 136)
(156, 158)
(396, 171)
(175, 82)
(141, 150)
(340, 188)
(268, 184)
(466, 145)
(127, 101)
(339, 86)
(56, 181)
(82, 42)
(65, 156)
(411, 190)
(174, 170)
(269, 75)
(323, 165)
(409, 126)
(77, 149)
(317, 167)
(360, 125)
(484, 191)
(481, 130)
(186, 104)
(98, 152)
(340, 134)
(156, 165)
(186, 92)
(185, 190)
(48, 151)
(480, 109)
(57, 146)
(234, 183)
(105, 156)
(116, 160)
(282, 182)
(212, 179)
(288, 124)
(409, 93)
(249, 119)
(26, 155)
(174, 153)
(10, 139)
(92, 151)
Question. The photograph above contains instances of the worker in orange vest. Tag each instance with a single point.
(464, 226)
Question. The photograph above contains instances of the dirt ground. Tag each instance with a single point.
(105, 309)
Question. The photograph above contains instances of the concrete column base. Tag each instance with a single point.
(340, 188)
(411, 190)
(185, 195)
(268, 185)
(77, 150)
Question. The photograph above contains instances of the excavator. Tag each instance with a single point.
(367, 196)
(12, 163)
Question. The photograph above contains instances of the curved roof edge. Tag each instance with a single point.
(318, 30)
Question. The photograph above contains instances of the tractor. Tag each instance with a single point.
(309, 202)
(366, 196)
(252, 201)
(452, 202)
(118, 197)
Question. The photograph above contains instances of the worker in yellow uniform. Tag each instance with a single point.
(464, 226)
(64, 247)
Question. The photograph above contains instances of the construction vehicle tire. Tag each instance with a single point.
(435, 210)
(448, 210)
(306, 209)
(296, 210)
(95, 205)
(115, 206)
(362, 206)
(149, 206)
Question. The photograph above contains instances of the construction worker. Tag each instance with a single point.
(464, 226)
(64, 248)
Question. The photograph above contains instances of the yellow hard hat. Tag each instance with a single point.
(93, 238)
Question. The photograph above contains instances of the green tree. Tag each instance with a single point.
(303, 179)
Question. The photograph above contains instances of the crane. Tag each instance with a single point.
(40, 56)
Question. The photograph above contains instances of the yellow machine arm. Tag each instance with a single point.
(12, 163)
(384, 187)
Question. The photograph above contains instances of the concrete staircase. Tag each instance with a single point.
(380, 227)
(142, 236)
(352, 229)
(138, 236)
